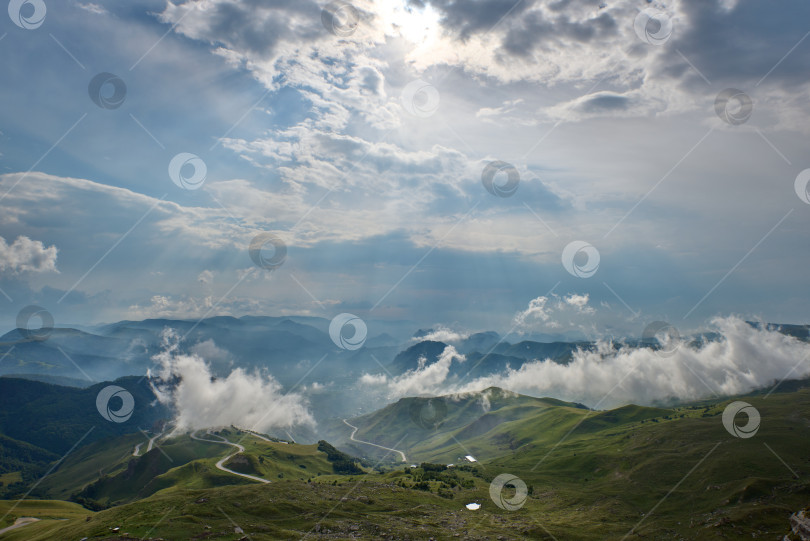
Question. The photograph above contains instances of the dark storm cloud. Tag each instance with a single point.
(527, 28)
(742, 44)
(533, 31)
(258, 26)
(606, 102)
(727, 44)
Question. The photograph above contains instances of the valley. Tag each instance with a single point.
(479, 464)
(645, 472)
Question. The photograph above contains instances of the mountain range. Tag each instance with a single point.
(416, 467)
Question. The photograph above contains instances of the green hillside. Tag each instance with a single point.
(105, 473)
(137, 477)
(21, 464)
(56, 418)
(421, 425)
(633, 472)
(51, 516)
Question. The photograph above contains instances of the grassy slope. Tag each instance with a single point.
(109, 474)
(271, 461)
(393, 426)
(604, 478)
(53, 516)
(21, 462)
(87, 463)
(608, 480)
(137, 477)
(287, 510)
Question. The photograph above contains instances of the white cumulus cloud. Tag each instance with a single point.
(553, 309)
(742, 359)
(425, 380)
(442, 334)
(25, 254)
(200, 400)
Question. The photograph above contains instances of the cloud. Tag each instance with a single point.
(205, 277)
(330, 144)
(26, 255)
(426, 380)
(209, 351)
(580, 302)
(24, 205)
(164, 306)
(373, 379)
(315, 387)
(486, 405)
(741, 359)
(248, 400)
(191, 306)
(442, 334)
(551, 310)
(92, 8)
(537, 309)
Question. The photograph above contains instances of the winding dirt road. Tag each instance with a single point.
(220, 466)
(354, 431)
(151, 444)
(19, 523)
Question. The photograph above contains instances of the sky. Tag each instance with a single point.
(519, 166)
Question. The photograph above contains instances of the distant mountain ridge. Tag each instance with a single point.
(55, 418)
(290, 348)
(282, 344)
